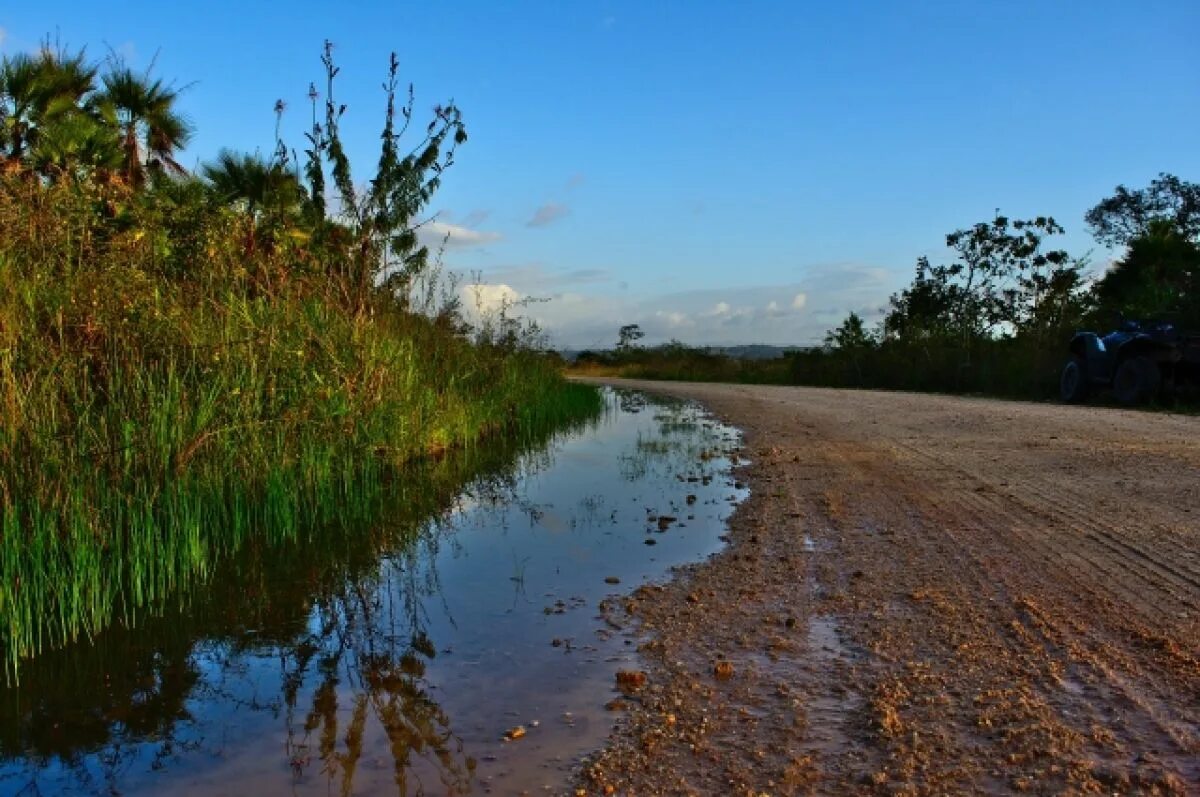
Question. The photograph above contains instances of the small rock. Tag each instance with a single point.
(723, 670)
(616, 705)
(612, 580)
(651, 541)
(631, 679)
(512, 734)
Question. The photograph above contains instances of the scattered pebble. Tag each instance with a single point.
(631, 679)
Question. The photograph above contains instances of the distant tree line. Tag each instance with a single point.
(995, 318)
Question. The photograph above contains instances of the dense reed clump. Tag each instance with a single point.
(180, 373)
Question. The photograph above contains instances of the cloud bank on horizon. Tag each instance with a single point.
(584, 308)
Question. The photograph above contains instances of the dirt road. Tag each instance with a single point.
(928, 595)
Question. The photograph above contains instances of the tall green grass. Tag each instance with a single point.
(164, 397)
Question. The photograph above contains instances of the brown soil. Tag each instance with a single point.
(927, 595)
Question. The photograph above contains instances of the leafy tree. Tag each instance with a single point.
(1005, 273)
(1002, 281)
(628, 336)
(928, 308)
(850, 342)
(1128, 215)
(1158, 277)
(852, 335)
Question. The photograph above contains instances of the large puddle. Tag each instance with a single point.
(394, 659)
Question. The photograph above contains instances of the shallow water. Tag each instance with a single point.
(393, 659)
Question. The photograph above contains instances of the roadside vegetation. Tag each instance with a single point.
(191, 363)
(995, 319)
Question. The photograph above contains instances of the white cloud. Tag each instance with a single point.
(722, 308)
(674, 318)
(548, 214)
(799, 301)
(456, 236)
(481, 299)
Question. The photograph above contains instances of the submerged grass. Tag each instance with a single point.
(155, 415)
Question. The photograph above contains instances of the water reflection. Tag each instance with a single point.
(389, 658)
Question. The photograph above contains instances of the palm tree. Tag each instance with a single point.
(270, 194)
(151, 130)
(40, 90)
(264, 187)
(75, 139)
(18, 102)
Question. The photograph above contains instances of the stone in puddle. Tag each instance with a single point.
(723, 670)
(512, 734)
(612, 580)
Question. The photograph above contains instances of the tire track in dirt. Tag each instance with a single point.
(1017, 523)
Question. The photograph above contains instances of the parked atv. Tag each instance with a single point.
(1139, 361)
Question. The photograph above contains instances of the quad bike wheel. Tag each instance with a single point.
(1073, 384)
(1137, 380)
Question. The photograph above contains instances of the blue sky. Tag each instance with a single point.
(717, 172)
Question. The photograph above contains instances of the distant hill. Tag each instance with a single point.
(752, 351)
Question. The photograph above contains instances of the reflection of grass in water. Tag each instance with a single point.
(99, 545)
(655, 447)
(348, 633)
(680, 440)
